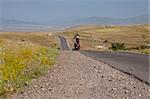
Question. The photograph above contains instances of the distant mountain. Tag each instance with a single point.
(4, 21)
(144, 19)
(7, 25)
(18, 25)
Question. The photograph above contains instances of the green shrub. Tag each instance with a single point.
(133, 48)
(144, 47)
(117, 46)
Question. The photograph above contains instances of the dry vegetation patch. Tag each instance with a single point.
(22, 59)
(41, 38)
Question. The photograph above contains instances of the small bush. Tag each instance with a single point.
(117, 46)
(105, 41)
(133, 48)
(144, 47)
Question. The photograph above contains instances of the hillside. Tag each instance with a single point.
(133, 36)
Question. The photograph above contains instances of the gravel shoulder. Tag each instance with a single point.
(76, 76)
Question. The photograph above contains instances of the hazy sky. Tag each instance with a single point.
(46, 10)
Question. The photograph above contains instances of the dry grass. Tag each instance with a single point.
(40, 38)
(132, 36)
(23, 57)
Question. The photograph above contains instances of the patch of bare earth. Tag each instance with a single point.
(76, 76)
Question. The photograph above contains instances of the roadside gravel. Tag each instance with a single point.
(76, 76)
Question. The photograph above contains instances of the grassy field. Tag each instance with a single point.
(41, 38)
(92, 36)
(24, 56)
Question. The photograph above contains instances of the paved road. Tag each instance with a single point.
(63, 43)
(133, 64)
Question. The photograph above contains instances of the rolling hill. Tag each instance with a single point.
(18, 25)
(143, 19)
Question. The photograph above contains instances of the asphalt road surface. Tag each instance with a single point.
(134, 64)
(63, 43)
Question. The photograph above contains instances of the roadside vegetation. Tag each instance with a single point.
(121, 46)
(117, 46)
(132, 38)
(21, 61)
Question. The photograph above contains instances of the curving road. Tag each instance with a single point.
(63, 43)
(134, 64)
